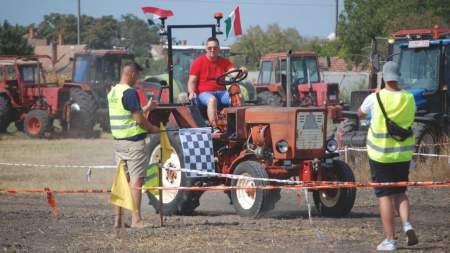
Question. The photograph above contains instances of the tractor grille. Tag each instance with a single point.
(357, 97)
(310, 127)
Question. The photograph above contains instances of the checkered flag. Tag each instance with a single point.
(197, 150)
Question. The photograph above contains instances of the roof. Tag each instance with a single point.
(422, 32)
(14, 59)
(102, 52)
(284, 54)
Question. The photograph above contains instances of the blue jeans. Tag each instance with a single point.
(223, 98)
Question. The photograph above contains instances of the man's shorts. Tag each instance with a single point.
(134, 154)
(222, 97)
(389, 172)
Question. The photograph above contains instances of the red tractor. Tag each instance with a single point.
(307, 88)
(94, 72)
(256, 141)
(28, 100)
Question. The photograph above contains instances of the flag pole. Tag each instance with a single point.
(161, 211)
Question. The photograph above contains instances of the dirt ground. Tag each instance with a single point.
(85, 220)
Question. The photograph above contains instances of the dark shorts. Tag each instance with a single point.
(389, 172)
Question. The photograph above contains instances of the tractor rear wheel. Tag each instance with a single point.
(426, 138)
(82, 118)
(252, 203)
(344, 128)
(5, 114)
(37, 123)
(336, 202)
(174, 201)
(269, 98)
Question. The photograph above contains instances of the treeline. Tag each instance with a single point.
(359, 23)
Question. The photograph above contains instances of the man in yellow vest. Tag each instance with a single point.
(390, 155)
(129, 129)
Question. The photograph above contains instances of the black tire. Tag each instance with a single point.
(269, 98)
(19, 125)
(344, 128)
(82, 121)
(105, 123)
(336, 202)
(262, 201)
(426, 137)
(5, 114)
(37, 123)
(174, 202)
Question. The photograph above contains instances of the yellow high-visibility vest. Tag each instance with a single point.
(122, 123)
(400, 108)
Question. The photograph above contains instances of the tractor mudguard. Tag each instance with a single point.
(242, 157)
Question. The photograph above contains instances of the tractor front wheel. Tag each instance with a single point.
(252, 202)
(5, 114)
(174, 201)
(82, 118)
(37, 123)
(336, 202)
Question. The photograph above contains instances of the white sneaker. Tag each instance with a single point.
(411, 237)
(387, 245)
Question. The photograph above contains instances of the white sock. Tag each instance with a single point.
(407, 226)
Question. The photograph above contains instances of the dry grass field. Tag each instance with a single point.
(85, 220)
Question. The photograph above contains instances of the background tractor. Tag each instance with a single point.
(307, 88)
(94, 72)
(28, 100)
(257, 141)
(423, 56)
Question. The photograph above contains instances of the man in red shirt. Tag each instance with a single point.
(202, 83)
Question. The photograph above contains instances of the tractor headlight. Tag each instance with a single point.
(282, 146)
(331, 145)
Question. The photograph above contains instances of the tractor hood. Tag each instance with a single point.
(418, 96)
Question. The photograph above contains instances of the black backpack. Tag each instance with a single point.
(396, 132)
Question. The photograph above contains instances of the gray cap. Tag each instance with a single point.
(390, 72)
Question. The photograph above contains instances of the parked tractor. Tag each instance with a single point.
(94, 72)
(256, 141)
(423, 56)
(28, 100)
(307, 88)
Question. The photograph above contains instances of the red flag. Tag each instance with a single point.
(157, 11)
(52, 202)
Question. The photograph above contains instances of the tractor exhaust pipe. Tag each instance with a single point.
(288, 79)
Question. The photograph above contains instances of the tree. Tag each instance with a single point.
(12, 40)
(136, 35)
(103, 33)
(364, 20)
(257, 42)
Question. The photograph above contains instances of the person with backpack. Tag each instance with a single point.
(390, 146)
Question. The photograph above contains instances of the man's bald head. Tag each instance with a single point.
(130, 73)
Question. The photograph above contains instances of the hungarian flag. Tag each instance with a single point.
(233, 23)
(153, 13)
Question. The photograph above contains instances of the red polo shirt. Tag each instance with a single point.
(207, 72)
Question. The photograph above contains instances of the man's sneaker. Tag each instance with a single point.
(411, 237)
(387, 245)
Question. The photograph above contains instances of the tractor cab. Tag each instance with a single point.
(307, 89)
(99, 69)
(423, 56)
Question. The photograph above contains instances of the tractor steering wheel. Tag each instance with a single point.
(227, 78)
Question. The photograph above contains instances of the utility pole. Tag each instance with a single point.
(337, 17)
(78, 24)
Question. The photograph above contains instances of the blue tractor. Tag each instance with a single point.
(423, 56)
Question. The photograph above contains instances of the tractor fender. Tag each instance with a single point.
(244, 156)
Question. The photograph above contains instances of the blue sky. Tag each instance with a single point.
(309, 17)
